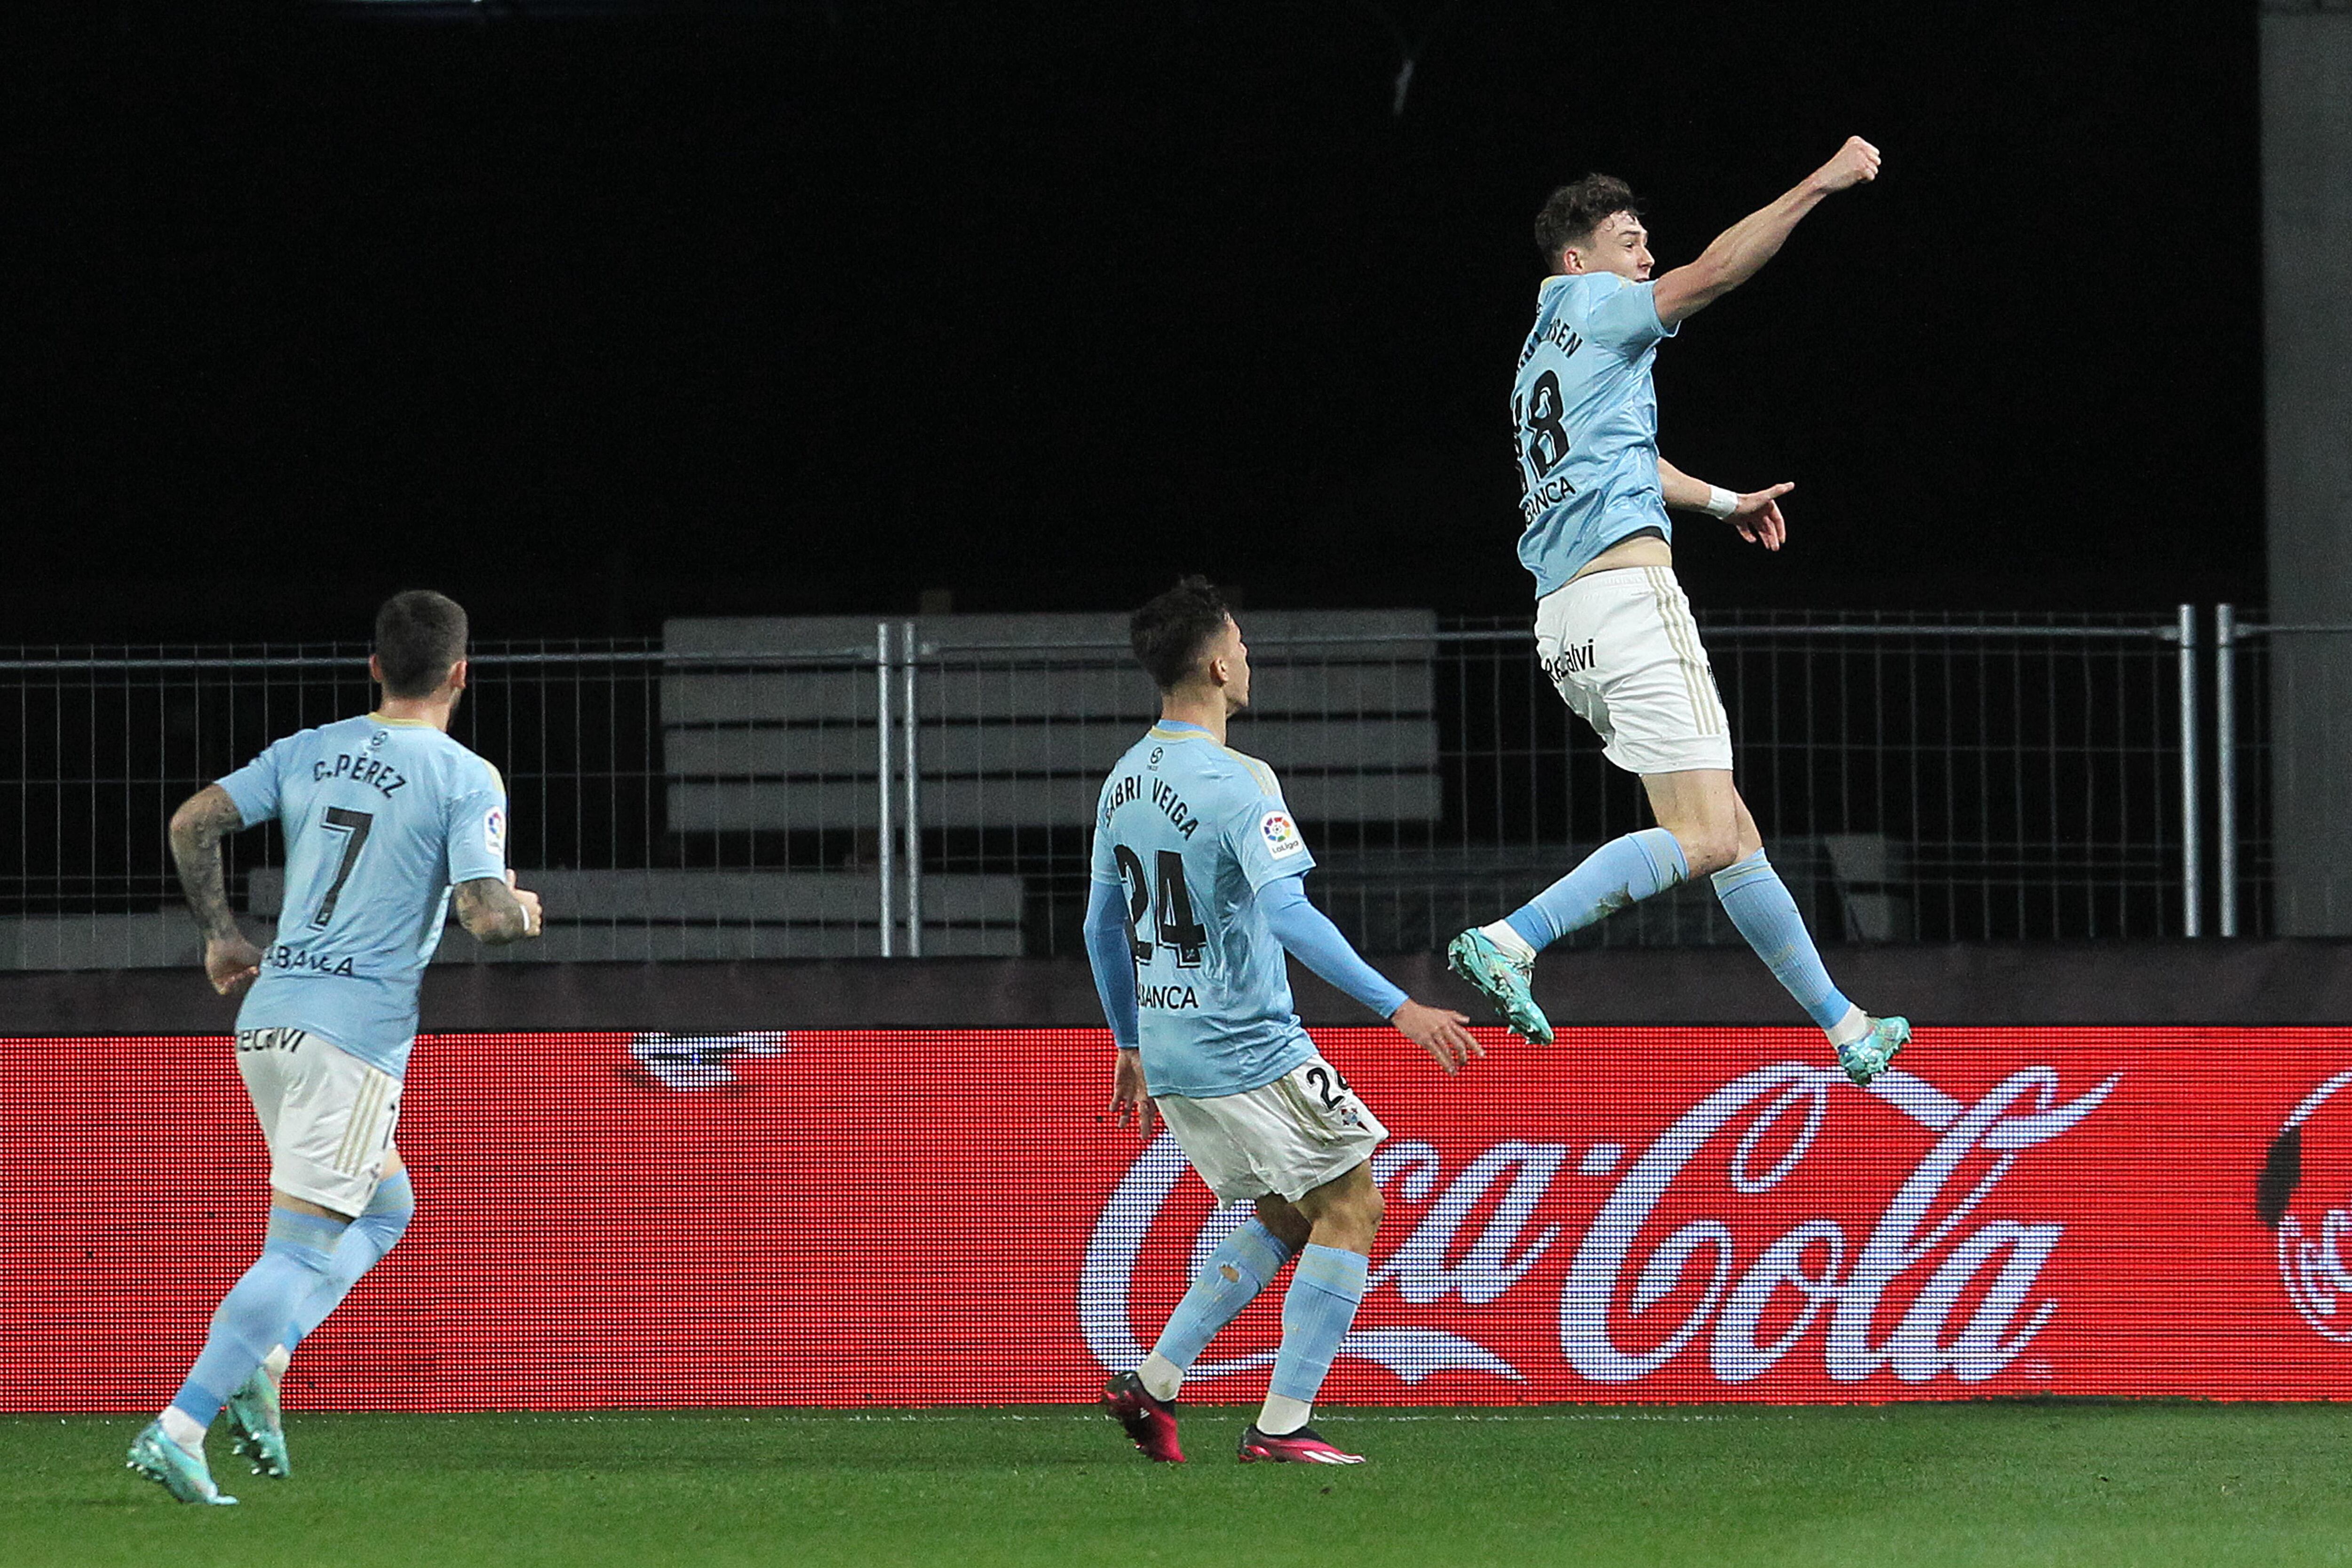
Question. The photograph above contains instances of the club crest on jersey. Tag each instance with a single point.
(494, 831)
(1281, 835)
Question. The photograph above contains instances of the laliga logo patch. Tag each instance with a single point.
(494, 831)
(1282, 840)
(2305, 1194)
(378, 738)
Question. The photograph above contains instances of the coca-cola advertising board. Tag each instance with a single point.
(927, 1217)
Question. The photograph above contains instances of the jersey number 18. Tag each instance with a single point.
(1543, 430)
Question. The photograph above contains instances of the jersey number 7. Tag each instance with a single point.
(353, 826)
(1168, 906)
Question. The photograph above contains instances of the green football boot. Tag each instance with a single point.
(1475, 957)
(1868, 1057)
(254, 1416)
(183, 1474)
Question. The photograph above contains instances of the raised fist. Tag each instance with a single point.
(1856, 161)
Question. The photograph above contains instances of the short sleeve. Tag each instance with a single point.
(1105, 865)
(1622, 316)
(254, 788)
(476, 826)
(1265, 840)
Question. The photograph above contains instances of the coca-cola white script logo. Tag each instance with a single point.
(1772, 1119)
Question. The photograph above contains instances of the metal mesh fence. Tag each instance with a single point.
(1931, 779)
(821, 788)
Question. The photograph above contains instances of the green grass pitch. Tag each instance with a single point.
(1977, 1484)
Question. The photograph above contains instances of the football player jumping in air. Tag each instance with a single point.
(1612, 627)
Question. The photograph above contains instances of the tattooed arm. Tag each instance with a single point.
(496, 912)
(204, 818)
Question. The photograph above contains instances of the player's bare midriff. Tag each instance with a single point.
(1649, 551)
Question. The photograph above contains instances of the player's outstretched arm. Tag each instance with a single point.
(1308, 935)
(1446, 1035)
(494, 911)
(1740, 251)
(204, 819)
(1755, 512)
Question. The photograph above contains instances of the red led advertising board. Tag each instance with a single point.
(927, 1217)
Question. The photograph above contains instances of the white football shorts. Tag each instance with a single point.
(328, 1115)
(1623, 648)
(1284, 1139)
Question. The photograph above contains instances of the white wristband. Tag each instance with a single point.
(1720, 502)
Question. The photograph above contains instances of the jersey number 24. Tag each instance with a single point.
(1161, 905)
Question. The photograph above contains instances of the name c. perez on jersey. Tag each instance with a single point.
(369, 770)
(1163, 795)
(284, 958)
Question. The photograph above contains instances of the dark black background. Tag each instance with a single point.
(593, 319)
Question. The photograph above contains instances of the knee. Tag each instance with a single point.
(1707, 850)
(1352, 1225)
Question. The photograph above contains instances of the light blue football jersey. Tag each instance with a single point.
(381, 817)
(1189, 831)
(1585, 421)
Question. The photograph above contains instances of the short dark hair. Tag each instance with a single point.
(1171, 632)
(418, 635)
(1571, 213)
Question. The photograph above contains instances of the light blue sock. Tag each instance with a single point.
(1315, 1312)
(357, 1250)
(245, 1324)
(1759, 904)
(1621, 872)
(1236, 1272)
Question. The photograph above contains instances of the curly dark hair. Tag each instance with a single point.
(1171, 632)
(1571, 213)
(418, 635)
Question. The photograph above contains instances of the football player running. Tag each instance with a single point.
(1195, 899)
(383, 816)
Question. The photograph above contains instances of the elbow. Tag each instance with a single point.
(188, 824)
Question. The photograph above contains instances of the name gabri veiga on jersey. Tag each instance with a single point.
(1163, 795)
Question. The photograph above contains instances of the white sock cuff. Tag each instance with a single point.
(1161, 1376)
(183, 1428)
(1851, 1028)
(1512, 945)
(1283, 1414)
